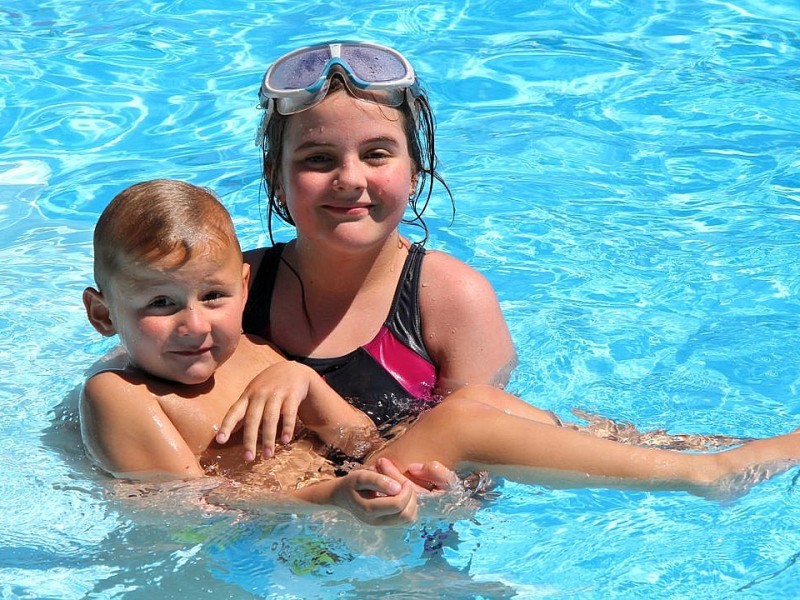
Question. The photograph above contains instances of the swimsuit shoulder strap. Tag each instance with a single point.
(255, 319)
(404, 318)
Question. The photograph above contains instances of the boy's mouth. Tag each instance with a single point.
(194, 352)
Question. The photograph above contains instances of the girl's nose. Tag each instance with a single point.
(350, 175)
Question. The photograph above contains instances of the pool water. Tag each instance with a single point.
(626, 175)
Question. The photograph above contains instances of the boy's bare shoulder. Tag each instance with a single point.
(257, 348)
(117, 385)
(115, 361)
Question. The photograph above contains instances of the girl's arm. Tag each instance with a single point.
(127, 434)
(467, 335)
(463, 324)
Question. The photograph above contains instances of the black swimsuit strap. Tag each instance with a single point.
(403, 319)
(255, 318)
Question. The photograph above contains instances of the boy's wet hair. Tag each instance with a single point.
(419, 129)
(158, 219)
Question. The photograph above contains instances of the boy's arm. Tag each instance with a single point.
(285, 391)
(126, 432)
(337, 422)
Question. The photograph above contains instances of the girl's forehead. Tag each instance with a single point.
(341, 114)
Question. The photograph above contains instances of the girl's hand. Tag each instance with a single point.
(432, 477)
(273, 397)
(375, 498)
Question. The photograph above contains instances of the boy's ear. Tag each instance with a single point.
(98, 313)
(245, 280)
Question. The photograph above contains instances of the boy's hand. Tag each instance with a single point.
(427, 478)
(273, 397)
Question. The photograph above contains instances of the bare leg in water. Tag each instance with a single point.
(465, 432)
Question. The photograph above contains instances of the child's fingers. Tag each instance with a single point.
(368, 480)
(252, 421)
(231, 420)
(378, 499)
(423, 477)
(289, 418)
(268, 418)
(399, 508)
(388, 468)
(435, 474)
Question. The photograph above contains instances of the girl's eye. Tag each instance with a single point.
(317, 160)
(377, 154)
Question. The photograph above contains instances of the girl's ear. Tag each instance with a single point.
(414, 178)
(98, 312)
(269, 173)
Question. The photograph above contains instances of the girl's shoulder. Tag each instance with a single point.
(451, 284)
(442, 269)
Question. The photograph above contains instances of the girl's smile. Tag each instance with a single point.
(346, 175)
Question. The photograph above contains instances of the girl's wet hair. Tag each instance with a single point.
(156, 220)
(419, 128)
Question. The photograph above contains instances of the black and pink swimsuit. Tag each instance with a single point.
(390, 377)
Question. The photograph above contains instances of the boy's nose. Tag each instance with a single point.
(194, 321)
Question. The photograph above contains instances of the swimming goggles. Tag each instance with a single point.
(300, 79)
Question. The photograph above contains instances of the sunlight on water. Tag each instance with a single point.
(626, 175)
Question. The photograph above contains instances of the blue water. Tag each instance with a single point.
(626, 174)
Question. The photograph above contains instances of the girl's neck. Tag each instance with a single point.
(333, 269)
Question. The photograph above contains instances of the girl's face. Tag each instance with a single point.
(346, 174)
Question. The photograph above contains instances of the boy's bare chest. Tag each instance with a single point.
(198, 417)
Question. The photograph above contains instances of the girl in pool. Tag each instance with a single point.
(348, 146)
(172, 284)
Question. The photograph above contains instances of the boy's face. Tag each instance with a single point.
(180, 323)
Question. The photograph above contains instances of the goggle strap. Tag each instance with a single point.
(411, 100)
(261, 133)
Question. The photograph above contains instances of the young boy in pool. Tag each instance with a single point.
(172, 284)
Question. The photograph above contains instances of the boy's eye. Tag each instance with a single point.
(215, 296)
(161, 302)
